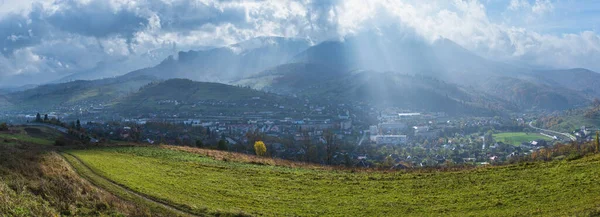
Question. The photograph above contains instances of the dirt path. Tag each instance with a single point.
(120, 187)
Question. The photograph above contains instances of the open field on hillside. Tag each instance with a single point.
(35, 135)
(516, 138)
(36, 181)
(204, 185)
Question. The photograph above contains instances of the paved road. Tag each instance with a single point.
(571, 137)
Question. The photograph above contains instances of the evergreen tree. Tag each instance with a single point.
(199, 143)
(78, 125)
(597, 142)
(46, 117)
(222, 145)
(38, 118)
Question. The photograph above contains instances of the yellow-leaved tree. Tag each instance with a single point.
(260, 148)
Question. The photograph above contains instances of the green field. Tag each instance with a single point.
(35, 135)
(517, 138)
(203, 185)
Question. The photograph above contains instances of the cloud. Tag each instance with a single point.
(53, 34)
(542, 6)
(518, 5)
(97, 18)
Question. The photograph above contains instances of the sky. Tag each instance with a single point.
(43, 40)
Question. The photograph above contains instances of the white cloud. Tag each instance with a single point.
(518, 5)
(542, 6)
(44, 29)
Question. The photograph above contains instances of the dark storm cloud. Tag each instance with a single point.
(18, 31)
(97, 19)
(189, 14)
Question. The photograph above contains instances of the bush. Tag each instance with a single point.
(260, 148)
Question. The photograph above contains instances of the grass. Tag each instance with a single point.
(516, 138)
(34, 135)
(152, 208)
(205, 185)
(36, 181)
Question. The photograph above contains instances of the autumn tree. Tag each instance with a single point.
(260, 148)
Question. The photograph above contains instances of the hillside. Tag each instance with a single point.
(200, 184)
(37, 181)
(417, 92)
(524, 94)
(586, 81)
(81, 93)
(187, 95)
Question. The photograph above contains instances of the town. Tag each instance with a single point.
(324, 133)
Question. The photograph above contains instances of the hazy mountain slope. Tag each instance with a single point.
(529, 95)
(291, 78)
(406, 54)
(184, 95)
(228, 63)
(576, 79)
(83, 93)
(391, 89)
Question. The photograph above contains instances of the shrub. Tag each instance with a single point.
(260, 148)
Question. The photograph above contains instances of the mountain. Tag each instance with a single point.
(75, 93)
(184, 95)
(405, 53)
(525, 94)
(584, 80)
(417, 92)
(228, 63)
(290, 78)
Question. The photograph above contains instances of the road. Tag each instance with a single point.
(571, 137)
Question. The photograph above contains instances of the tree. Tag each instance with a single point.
(3, 127)
(78, 125)
(306, 145)
(222, 145)
(388, 162)
(331, 146)
(347, 160)
(199, 143)
(46, 117)
(260, 148)
(597, 142)
(38, 118)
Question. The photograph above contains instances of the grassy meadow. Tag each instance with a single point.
(516, 138)
(201, 184)
(37, 181)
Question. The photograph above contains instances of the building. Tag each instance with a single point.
(391, 139)
(391, 127)
(346, 125)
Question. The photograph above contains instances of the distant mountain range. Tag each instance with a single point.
(382, 68)
(227, 63)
